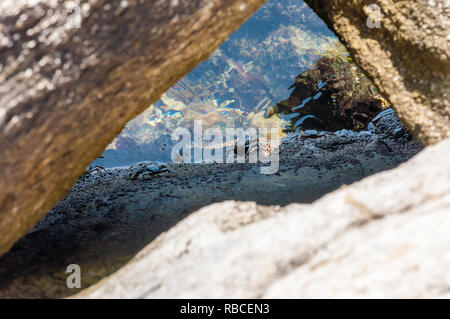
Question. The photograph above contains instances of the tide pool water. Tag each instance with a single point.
(249, 72)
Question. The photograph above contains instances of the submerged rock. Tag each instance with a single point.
(335, 95)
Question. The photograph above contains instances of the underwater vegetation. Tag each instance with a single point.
(332, 96)
(248, 73)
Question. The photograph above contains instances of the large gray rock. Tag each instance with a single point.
(66, 92)
(407, 56)
(386, 236)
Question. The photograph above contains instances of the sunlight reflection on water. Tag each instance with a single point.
(248, 73)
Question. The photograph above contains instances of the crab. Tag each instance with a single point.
(147, 170)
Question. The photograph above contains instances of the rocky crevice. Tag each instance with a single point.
(407, 57)
(66, 92)
(110, 215)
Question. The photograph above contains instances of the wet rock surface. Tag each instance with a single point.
(111, 214)
(385, 236)
(403, 47)
(73, 73)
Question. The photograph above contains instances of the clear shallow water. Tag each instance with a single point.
(248, 73)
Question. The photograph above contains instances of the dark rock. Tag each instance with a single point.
(388, 124)
(332, 96)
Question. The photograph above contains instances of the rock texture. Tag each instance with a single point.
(407, 57)
(110, 215)
(386, 236)
(66, 92)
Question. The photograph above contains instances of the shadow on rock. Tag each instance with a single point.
(111, 214)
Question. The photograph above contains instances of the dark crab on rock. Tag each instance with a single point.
(147, 170)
